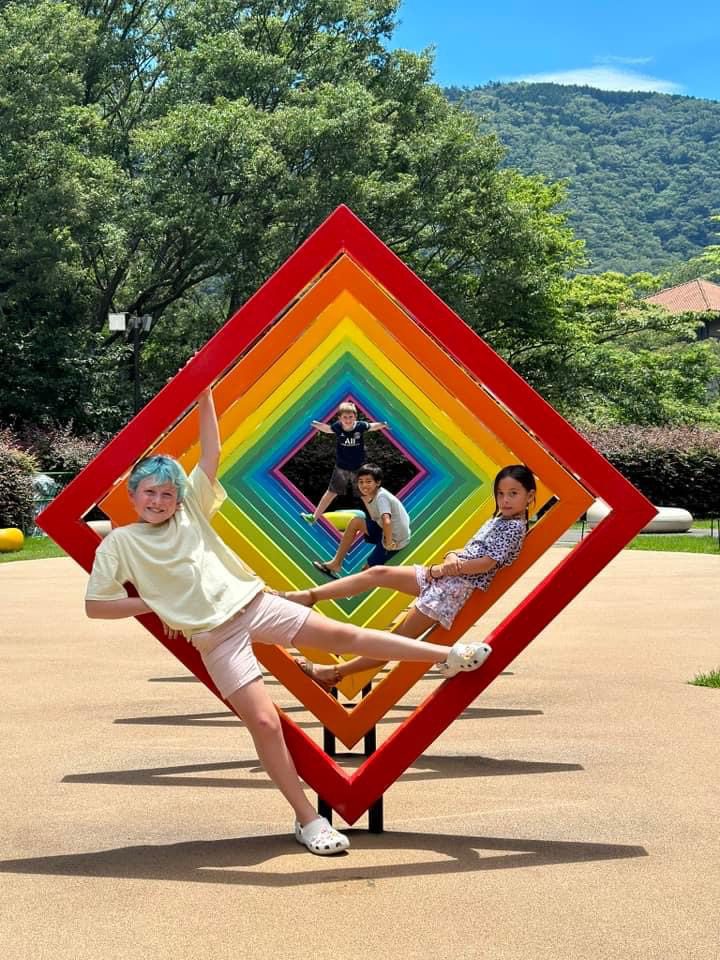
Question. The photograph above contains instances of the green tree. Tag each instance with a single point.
(180, 152)
(619, 359)
(201, 143)
(53, 190)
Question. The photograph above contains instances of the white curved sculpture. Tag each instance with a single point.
(101, 527)
(666, 520)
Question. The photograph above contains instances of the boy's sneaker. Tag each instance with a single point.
(321, 837)
(464, 657)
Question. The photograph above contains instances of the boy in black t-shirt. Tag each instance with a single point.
(349, 452)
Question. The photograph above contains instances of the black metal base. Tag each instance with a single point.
(375, 813)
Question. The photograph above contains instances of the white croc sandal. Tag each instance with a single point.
(321, 838)
(464, 657)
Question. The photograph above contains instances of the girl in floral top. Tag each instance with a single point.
(442, 589)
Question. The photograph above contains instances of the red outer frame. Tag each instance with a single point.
(343, 232)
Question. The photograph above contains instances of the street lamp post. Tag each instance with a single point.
(133, 326)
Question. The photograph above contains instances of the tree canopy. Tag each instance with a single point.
(182, 151)
(165, 157)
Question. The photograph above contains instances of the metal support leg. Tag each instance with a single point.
(375, 817)
(329, 746)
(375, 813)
(324, 809)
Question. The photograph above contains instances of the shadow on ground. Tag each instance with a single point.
(226, 718)
(424, 768)
(271, 681)
(231, 860)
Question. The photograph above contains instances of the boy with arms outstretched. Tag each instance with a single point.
(349, 452)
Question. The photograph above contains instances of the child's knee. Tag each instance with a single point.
(352, 640)
(379, 574)
(264, 722)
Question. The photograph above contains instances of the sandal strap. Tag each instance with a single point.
(309, 668)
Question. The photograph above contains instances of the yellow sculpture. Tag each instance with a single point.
(11, 539)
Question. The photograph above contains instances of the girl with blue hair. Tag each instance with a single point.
(198, 587)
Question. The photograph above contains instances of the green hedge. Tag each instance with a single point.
(672, 466)
(16, 488)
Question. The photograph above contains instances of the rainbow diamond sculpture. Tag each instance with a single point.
(344, 318)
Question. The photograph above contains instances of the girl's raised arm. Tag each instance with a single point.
(209, 435)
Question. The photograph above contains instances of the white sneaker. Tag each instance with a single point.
(321, 837)
(464, 657)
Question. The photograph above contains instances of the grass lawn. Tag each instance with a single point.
(34, 548)
(675, 543)
(711, 679)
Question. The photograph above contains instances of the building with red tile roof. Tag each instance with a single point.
(695, 296)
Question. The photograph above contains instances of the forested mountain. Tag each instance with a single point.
(643, 169)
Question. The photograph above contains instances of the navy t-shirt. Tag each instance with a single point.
(350, 445)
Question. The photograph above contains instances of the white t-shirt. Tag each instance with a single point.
(386, 502)
(181, 568)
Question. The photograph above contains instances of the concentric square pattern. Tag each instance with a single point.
(344, 318)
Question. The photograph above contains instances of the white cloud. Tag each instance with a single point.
(631, 61)
(605, 78)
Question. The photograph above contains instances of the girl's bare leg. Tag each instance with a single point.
(393, 578)
(326, 634)
(414, 625)
(258, 712)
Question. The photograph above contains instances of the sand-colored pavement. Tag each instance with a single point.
(571, 812)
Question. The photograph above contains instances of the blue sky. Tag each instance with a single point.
(660, 46)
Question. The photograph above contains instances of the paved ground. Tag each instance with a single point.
(572, 812)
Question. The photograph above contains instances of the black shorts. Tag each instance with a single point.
(342, 481)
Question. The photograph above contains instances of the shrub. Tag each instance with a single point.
(58, 450)
(672, 466)
(16, 487)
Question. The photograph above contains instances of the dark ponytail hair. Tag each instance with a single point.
(519, 472)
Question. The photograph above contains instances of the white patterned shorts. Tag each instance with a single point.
(227, 650)
(441, 599)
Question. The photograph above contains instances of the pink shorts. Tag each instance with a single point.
(227, 650)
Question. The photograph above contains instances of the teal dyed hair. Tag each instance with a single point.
(161, 469)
